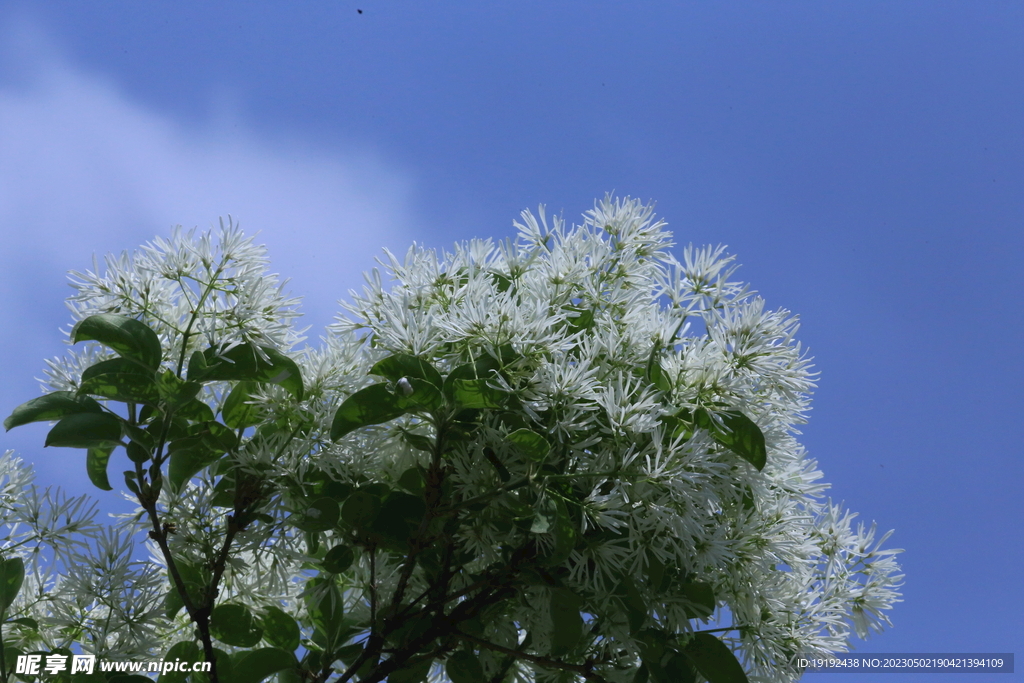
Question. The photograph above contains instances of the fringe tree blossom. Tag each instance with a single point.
(80, 585)
(190, 291)
(565, 456)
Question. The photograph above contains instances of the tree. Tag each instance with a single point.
(560, 458)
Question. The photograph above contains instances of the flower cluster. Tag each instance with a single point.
(596, 322)
(190, 290)
(81, 584)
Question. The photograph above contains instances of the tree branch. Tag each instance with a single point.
(585, 670)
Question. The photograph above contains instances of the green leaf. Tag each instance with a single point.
(411, 628)
(175, 391)
(474, 626)
(659, 378)
(245, 363)
(195, 584)
(379, 489)
(26, 622)
(234, 624)
(113, 366)
(138, 435)
(172, 603)
(188, 457)
(137, 453)
(51, 407)
(678, 669)
(258, 665)
(505, 355)
(127, 336)
(337, 490)
(12, 575)
(545, 515)
(496, 463)
(338, 559)
(412, 480)
(196, 364)
(530, 443)
(96, 466)
(418, 441)
(11, 655)
(85, 430)
(320, 515)
(701, 598)
(551, 516)
(280, 629)
(413, 673)
(195, 410)
(501, 281)
(483, 367)
(566, 620)
(398, 519)
(131, 481)
(224, 491)
(464, 667)
(238, 411)
(402, 365)
(675, 428)
(186, 651)
(655, 572)
(215, 436)
(127, 387)
(475, 393)
(361, 508)
(653, 644)
(225, 668)
(582, 320)
(740, 434)
(326, 609)
(714, 660)
(414, 393)
(748, 499)
(369, 406)
(636, 606)
(349, 653)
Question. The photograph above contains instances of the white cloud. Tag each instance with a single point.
(86, 170)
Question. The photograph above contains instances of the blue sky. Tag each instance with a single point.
(865, 161)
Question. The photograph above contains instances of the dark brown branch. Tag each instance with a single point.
(373, 591)
(585, 670)
(199, 616)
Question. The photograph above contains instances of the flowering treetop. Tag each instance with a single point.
(561, 457)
